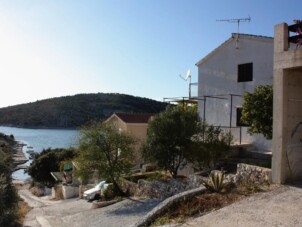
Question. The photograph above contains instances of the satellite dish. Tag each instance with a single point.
(188, 75)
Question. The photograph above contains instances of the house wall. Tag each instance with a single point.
(217, 75)
(139, 131)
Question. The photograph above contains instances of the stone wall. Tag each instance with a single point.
(167, 204)
(164, 189)
(252, 173)
(161, 189)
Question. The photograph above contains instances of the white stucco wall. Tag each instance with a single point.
(217, 75)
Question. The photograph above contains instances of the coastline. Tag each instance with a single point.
(40, 127)
(19, 158)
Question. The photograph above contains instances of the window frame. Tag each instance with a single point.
(245, 72)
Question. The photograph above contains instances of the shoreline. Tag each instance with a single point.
(41, 127)
(19, 158)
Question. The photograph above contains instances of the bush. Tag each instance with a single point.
(215, 182)
(109, 193)
(257, 111)
(49, 161)
(169, 138)
(210, 146)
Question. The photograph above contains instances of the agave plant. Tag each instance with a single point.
(215, 182)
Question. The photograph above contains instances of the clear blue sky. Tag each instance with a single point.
(54, 48)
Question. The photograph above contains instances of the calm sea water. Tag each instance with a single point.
(40, 139)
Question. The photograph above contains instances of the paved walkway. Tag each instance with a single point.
(281, 207)
(78, 212)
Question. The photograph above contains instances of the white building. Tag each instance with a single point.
(235, 67)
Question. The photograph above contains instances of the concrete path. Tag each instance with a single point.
(78, 212)
(281, 207)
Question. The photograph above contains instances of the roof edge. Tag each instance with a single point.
(259, 37)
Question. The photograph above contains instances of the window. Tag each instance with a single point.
(238, 120)
(245, 72)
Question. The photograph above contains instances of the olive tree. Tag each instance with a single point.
(169, 138)
(257, 110)
(107, 151)
(178, 136)
(209, 146)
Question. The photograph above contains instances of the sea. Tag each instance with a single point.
(39, 139)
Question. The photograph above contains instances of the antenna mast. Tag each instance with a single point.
(248, 19)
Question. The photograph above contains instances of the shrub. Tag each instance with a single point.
(169, 138)
(257, 111)
(215, 182)
(109, 193)
(49, 161)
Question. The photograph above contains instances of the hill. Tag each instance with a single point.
(74, 111)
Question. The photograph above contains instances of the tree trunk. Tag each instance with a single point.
(117, 188)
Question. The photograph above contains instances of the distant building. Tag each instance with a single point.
(134, 123)
(234, 67)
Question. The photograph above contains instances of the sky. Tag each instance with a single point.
(54, 48)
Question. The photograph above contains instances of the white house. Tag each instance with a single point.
(238, 65)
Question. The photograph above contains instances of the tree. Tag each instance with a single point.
(107, 151)
(169, 138)
(49, 161)
(257, 110)
(8, 194)
(209, 146)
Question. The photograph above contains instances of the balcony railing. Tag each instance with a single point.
(297, 29)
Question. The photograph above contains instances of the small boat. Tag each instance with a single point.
(29, 147)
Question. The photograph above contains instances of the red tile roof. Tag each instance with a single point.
(135, 117)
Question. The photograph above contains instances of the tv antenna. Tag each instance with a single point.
(238, 20)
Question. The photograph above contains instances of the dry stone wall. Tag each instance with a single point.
(254, 174)
(161, 189)
(164, 189)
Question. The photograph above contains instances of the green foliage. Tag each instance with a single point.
(49, 161)
(215, 182)
(169, 138)
(74, 111)
(8, 196)
(257, 110)
(209, 146)
(109, 193)
(107, 151)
